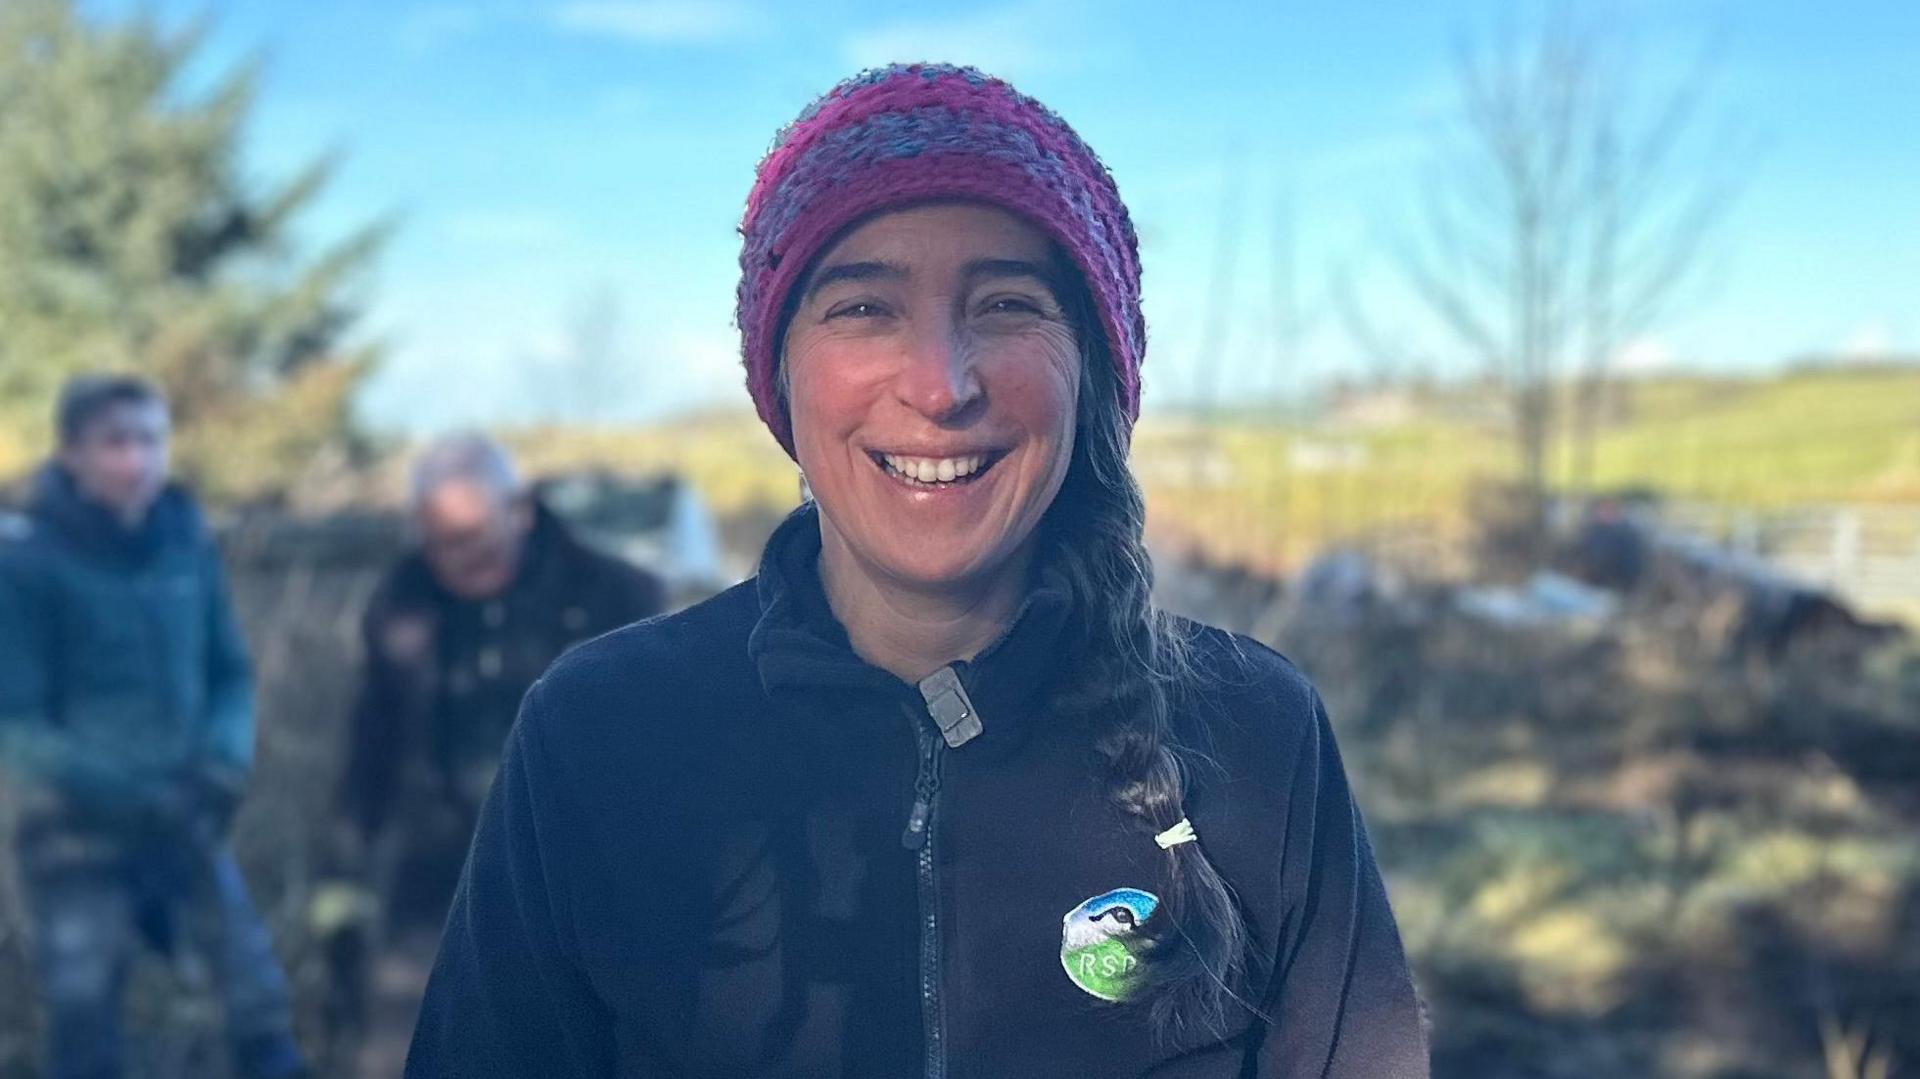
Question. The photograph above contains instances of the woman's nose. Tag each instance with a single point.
(939, 378)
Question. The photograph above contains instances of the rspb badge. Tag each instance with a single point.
(1098, 945)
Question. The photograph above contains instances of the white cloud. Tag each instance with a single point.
(1011, 42)
(659, 21)
(1643, 355)
(1869, 341)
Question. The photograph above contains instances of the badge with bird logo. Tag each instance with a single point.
(1099, 945)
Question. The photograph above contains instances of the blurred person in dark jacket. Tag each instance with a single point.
(127, 732)
(454, 635)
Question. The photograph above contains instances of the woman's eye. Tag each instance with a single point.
(857, 309)
(1011, 305)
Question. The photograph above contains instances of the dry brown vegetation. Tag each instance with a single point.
(1617, 850)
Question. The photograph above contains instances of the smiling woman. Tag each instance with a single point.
(931, 379)
(845, 818)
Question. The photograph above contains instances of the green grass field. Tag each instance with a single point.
(1819, 436)
(1270, 493)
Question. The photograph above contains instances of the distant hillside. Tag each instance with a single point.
(1810, 436)
(1270, 493)
(1277, 488)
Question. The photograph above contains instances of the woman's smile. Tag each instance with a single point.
(935, 472)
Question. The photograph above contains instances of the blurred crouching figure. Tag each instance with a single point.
(127, 729)
(454, 636)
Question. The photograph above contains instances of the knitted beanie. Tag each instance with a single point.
(912, 133)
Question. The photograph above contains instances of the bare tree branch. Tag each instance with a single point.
(1573, 217)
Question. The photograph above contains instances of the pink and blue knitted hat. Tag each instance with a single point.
(913, 133)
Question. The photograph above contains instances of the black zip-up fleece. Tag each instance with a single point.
(721, 844)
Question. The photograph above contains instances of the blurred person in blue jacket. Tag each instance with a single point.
(127, 734)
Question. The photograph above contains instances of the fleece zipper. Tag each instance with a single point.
(918, 838)
(955, 723)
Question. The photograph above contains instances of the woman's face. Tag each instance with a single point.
(933, 378)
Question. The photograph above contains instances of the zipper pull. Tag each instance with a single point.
(952, 711)
(915, 836)
(925, 782)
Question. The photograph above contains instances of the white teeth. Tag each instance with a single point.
(935, 470)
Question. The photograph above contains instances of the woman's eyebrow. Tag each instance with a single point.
(998, 267)
(871, 270)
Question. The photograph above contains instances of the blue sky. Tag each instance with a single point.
(552, 163)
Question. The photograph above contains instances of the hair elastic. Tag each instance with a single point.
(1176, 835)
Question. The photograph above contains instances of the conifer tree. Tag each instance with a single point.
(133, 238)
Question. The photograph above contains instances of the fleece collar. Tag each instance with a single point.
(803, 655)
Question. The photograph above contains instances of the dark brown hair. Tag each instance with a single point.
(84, 398)
(1133, 663)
